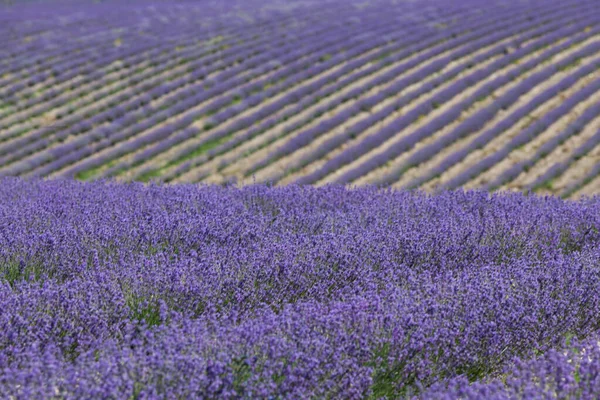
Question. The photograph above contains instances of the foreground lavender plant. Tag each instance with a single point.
(573, 372)
(130, 291)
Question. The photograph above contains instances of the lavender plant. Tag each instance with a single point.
(126, 290)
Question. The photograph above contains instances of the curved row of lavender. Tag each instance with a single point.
(142, 291)
(310, 92)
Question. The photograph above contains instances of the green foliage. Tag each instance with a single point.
(88, 174)
(148, 175)
(14, 271)
(242, 372)
(142, 309)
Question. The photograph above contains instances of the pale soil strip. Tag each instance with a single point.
(116, 76)
(577, 171)
(121, 71)
(517, 156)
(374, 129)
(165, 157)
(274, 132)
(580, 167)
(560, 154)
(241, 166)
(414, 173)
(476, 155)
(375, 174)
(176, 118)
(162, 124)
(162, 159)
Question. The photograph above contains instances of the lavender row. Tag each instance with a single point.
(251, 101)
(159, 28)
(194, 76)
(23, 65)
(258, 115)
(491, 133)
(136, 84)
(302, 96)
(355, 130)
(52, 98)
(262, 112)
(478, 29)
(302, 100)
(343, 158)
(64, 64)
(538, 126)
(293, 76)
(472, 124)
(84, 141)
(134, 55)
(95, 44)
(199, 55)
(446, 118)
(129, 57)
(198, 34)
(246, 30)
(572, 129)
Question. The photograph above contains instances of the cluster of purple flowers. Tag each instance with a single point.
(133, 291)
(572, 372)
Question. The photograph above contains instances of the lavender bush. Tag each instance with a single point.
(130, 291)
(570, 373)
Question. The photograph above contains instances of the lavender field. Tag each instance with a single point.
(431, 94)
(129, 291)
(299, 199)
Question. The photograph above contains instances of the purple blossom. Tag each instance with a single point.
(125, 289)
